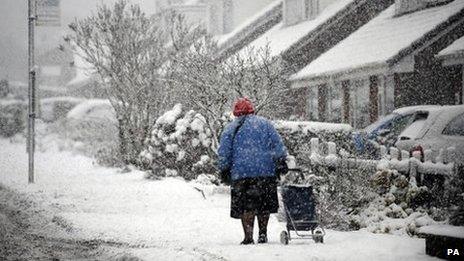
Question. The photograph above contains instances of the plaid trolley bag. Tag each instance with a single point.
(300, 210)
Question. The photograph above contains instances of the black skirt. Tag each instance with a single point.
(257, 195)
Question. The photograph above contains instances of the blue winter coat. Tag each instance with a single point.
(257, 146)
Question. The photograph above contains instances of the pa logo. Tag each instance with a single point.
(452, 252)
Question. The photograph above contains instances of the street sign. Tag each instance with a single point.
(48, 13)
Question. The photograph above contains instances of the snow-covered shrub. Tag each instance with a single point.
(52, 109)
(12, 117)
(180, 145)
(400, 207)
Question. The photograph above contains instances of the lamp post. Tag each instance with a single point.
(31, 90)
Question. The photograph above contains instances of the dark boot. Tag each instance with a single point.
(248, 219)
(262, 223)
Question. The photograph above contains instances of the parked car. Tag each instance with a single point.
(92, 121)
(441, 128)
(387, 129)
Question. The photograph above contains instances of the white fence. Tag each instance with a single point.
(443, 164)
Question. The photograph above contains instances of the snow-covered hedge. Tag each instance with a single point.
(297, 135)
(12, 117)
(180, 145)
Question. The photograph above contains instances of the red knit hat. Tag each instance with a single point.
(243, 106)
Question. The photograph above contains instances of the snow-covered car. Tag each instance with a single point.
(437, 128)
(92, 120)
(386, 130)
(55, 108)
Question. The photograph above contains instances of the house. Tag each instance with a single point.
(216, 16)
(63, 71)
(304, 31)
(453, 56)
(388, 63)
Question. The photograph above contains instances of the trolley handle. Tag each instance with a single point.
(299, 170)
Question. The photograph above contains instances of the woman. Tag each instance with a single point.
(250, 150)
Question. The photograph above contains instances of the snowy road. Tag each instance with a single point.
(169, 219)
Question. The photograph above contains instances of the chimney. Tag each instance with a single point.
(220, 18)
(227, 16)
(296, 11)
(409, 6)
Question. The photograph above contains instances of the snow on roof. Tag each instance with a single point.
(457, 47)
(412, 109)
(280, 37)
(379, 40)
(61, 99)
(222, 39)
(83, 68)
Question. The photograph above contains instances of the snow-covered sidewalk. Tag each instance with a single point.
(170, 219)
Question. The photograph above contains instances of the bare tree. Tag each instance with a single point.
(130, 52)
(210, 85)
(254, 73)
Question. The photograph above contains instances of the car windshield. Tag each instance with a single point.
(414, 129)
(382, 121)
(416, 125)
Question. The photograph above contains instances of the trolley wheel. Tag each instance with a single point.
(284, 237)
(318, 238)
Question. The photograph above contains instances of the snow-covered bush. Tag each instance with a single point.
(52, 109)
(400, 207)
(180, 145)
(12, 117)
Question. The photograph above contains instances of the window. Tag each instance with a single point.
(455, 127)
(311, 9)
(401, 123)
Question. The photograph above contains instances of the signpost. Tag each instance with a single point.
(40, 13)
(48, 13)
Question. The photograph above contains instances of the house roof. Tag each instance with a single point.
(280, 37)
(456, 48)
(379, 42)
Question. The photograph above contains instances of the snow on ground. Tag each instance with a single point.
(169, 219)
